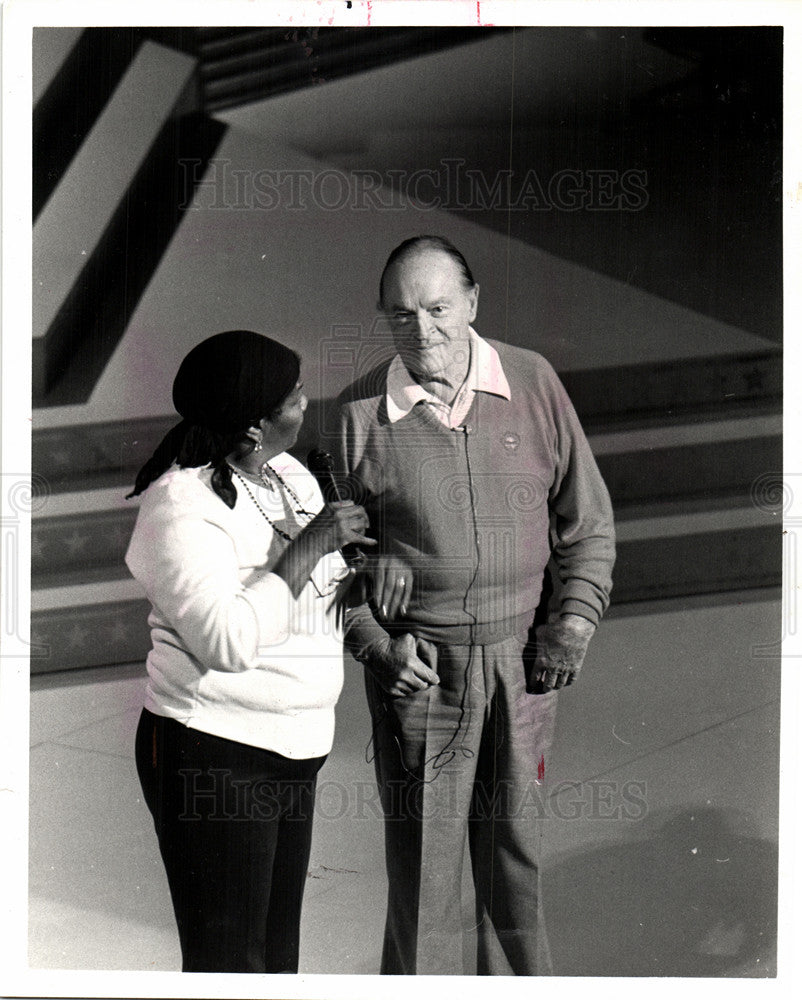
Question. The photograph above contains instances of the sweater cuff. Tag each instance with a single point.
(362, 631)
(574, 606)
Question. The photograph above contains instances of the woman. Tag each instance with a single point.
(239, 558)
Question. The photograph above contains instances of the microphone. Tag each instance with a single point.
(321, 465)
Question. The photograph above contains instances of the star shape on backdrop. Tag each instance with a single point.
(75, 542)
(37, 547)
(118, 631)
(60, 457)
(76, 637)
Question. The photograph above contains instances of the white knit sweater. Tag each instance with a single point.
(233, 653)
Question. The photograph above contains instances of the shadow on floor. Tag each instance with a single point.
(694, 894)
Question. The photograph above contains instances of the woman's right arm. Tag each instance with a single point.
(187, 564)
(338, 524)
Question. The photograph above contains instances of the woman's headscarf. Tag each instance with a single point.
(225, 385)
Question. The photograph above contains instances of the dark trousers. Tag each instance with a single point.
(464, 759)
(234, 824)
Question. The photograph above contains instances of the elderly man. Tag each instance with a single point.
(470, 460)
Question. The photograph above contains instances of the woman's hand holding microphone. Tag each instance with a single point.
(340, 523)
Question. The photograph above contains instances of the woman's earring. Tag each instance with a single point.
(258, 445)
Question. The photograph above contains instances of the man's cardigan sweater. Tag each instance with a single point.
(477, 511)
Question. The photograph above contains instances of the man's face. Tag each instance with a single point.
(430, 311)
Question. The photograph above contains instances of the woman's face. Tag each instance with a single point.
(282, 428)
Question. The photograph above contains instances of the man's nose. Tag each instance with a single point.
(424, 322)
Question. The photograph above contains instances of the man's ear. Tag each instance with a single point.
(475, 302)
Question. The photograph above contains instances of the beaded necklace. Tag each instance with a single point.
(298, 509)
(285, 486)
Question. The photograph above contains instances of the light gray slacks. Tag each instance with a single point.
(464, 759)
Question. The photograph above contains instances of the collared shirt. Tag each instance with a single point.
(485, 374)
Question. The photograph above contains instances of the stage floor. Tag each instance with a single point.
(678, 708)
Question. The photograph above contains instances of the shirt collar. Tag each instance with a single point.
(484, 375)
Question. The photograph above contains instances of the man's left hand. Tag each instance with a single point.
(560, 648)
(392, 586)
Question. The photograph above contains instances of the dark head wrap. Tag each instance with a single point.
(225, 385)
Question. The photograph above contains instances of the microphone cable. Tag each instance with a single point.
(465, 707)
